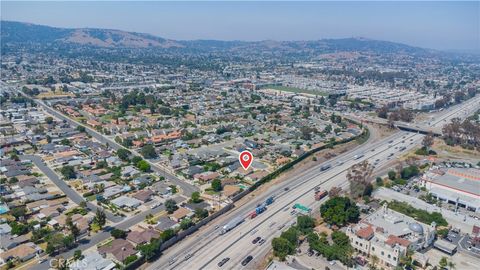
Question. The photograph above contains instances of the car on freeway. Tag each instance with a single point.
(223, 261)
(247, 260)
(188, 256)
(254, 232)
(286, 209)
(261, 242)
(281, 226)
(258, 238)
(286, 189)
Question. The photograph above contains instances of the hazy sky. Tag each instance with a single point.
(438, 25)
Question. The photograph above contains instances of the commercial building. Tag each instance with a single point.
(388, 235)
(456, 186)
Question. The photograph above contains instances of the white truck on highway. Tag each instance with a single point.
(358, 156)
(232, 224)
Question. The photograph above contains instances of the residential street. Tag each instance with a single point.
(187, 188)
(72, 194)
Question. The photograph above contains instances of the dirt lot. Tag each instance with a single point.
(447, 152)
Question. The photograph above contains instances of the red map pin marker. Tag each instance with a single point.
(245, 159)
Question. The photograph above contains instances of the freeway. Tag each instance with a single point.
(187, 188)
(72, 194)
(206, 248)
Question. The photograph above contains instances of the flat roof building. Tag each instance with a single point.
(457, 186)
(388, 235)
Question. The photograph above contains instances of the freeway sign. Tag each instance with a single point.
(302, 207)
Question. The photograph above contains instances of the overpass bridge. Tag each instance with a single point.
(418, 128)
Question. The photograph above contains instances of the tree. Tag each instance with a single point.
(217, 185)
(100, 218)
(18, 212)
(392, 175)
(77, 255)
(81, 128)
(282, 247)
(148, 151)
(340, 238)
(49, 120)
(359, 177)
(83, 204)
(186, 223)
(68, 172)
(427, 141)
(201, 213)
(150, 250)
(410, 171)
(195, 197)
(171, 206)
(143, 166)
(74, 230)
(291, 235)
(379, 181)
(383, 112)
(130, 259)
(136, 159)
(305, 223)
(339, 211)
(167, 234)
(123, 154)
(117, 233)
(334, 192)
(443, 262)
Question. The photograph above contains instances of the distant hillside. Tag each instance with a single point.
(25, 33)
(17, 32)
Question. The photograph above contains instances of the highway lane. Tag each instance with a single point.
(278, 190)
(72, 194)
(219, 247)
(241, 249)
(186, 187)
(276, 214)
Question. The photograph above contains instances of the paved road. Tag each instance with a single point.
(186, 187)
(72, 194)
(97, 238)
(208, 247)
